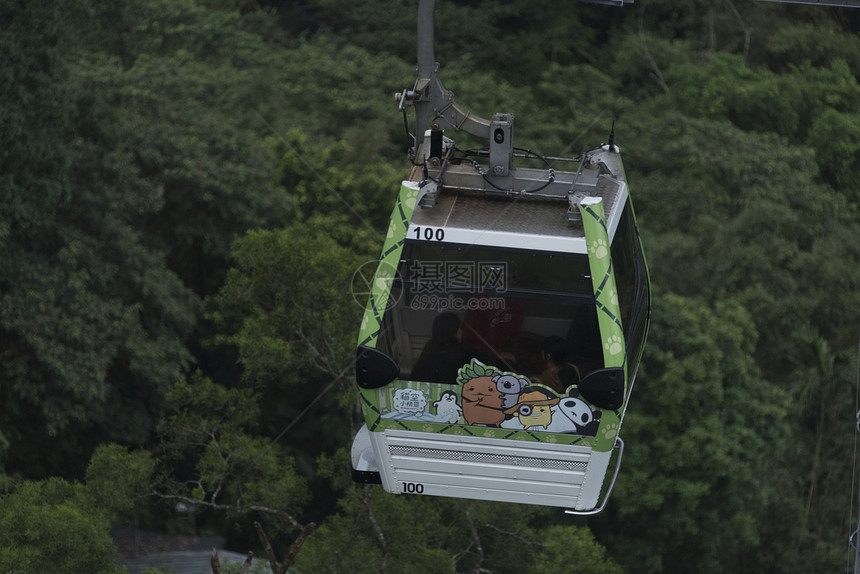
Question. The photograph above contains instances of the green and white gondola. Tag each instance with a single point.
(530, 286)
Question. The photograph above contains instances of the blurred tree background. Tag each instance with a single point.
(188, 186)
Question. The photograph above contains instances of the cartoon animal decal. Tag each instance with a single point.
(482, 401)
(447, 409)
(585, 420)
(568, 415)
(490, 397)
(511, 387)
(533, 409)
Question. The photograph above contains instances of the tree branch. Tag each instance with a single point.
(214, 562)
(656, 73)
(246, 565)
(531, 543)
(476, 540)
(239, 509)
(747, 31)
(267, 546)
(296, 546)
(380, 537)
(282, 567)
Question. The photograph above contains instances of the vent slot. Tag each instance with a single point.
(486, 458)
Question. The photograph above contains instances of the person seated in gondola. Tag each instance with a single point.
(491, 331)
(558, 373)
(444, 354)
(491, 324)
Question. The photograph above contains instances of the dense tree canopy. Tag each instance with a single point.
(189, 186)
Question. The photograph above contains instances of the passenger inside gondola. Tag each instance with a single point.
(490, 331)
(492, 322)
(443, 354)
(558, 372)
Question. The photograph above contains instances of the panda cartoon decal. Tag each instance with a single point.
(584, 419)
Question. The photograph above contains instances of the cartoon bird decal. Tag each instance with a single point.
(447, 409)
(533, 409)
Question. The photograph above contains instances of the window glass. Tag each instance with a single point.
(476, 269)
(631, 280)
(502, 306)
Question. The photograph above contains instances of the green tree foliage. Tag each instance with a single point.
(118, 213)
(140, 140)
(229, 468)
(35, 116)
(565, 546)
(179, 100)
(210, 459)
(118, 479)
(336, 183)
(289, 310)
(700, 438)
(798, 103)
(817, 42)
(735, 219)
(823, 377)
(54, 526)
(293, 288)
(518, 39)
(377, 532)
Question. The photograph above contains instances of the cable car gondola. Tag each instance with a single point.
(506, 319)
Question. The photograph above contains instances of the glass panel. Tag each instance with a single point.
(477, 269)
(631, 279)
(530, 313)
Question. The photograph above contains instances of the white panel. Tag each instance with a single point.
(488, 483)
(593, 480)
(490, 469)
(512, 240)
(453, 467)
(489, 445)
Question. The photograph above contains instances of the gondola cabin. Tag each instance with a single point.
(501, 339)
(506, 319)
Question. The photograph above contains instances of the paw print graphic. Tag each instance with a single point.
(427, 428)
(391, 229)
(610, 431)
(384, 278)
(410, 198)
(599, 248)
(613, 345)
(488, 433)
(613, 296)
